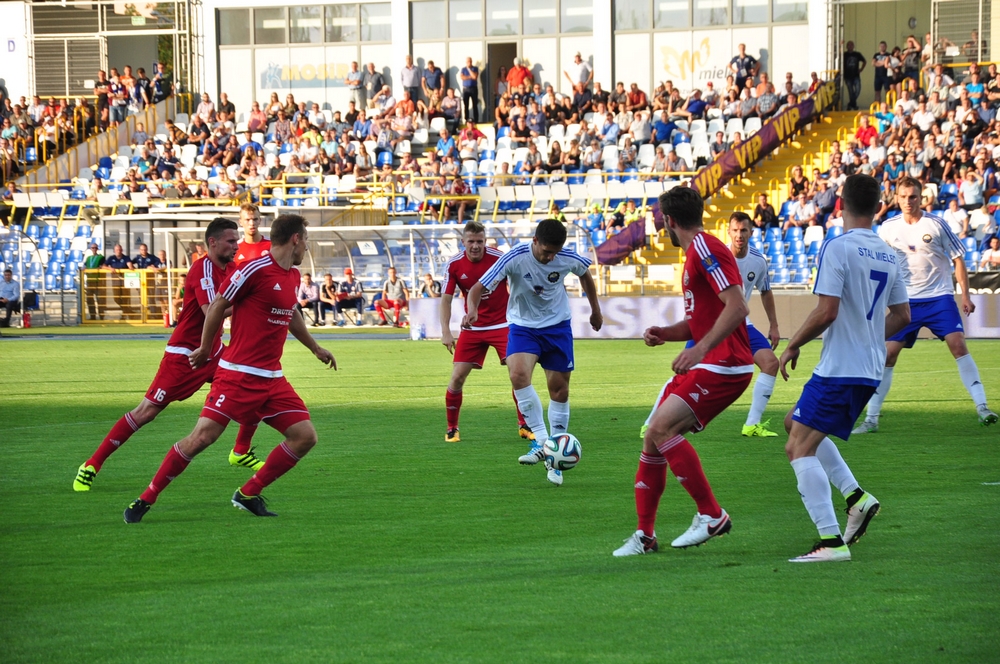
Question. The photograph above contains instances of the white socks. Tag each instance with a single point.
(762, 391)
(531, 407)
(969, 373)
(814, 487)
(558, 416)
(836, 468)
(875, 403)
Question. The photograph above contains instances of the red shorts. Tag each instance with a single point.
(249, 399)
(472, 346)
(176, 381)
(705, 392)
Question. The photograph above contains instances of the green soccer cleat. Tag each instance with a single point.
(759, 430)
(248, 460)
(986, 416)
(642, 431)
(84, 477)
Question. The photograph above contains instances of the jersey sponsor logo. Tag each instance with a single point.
(206, 284)
(687, 278)
(237, 277)
(688, 303)
(553, 277)
(527, 276)
(277, 287)
(710, 263)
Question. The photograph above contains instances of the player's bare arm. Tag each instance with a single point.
(445, 313)
(734, 313)
(214, 316)
(816, 323)
(657, 336)
(773, 335)
(897, 318)
(297, 326)
(590, 288)
(472, 301)
(962, 277)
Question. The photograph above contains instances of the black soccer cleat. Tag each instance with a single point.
(256, 505)
(136, 510)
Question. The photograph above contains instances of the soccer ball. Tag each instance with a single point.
(562, 452)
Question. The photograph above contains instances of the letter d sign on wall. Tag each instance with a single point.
(10, 45)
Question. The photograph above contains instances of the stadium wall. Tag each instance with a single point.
(628, 317)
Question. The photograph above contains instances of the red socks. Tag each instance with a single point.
(243, 438)
(453, 405)
(173, 465)
(521, 422)
(649, 482)
(686, 467)
(120, 432)
(279, 461)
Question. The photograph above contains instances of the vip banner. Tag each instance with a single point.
(729, 165)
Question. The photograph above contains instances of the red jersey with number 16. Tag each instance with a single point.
(248, 251)
(462, 272)
(709, 269)
(263, 297)
(200, 286)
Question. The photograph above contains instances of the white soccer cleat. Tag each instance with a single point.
(825, 551)
(554, 476)
(986, 416)
(858, 517)
(868, 426)
(636, 545)
(533, 456)
(703, 528)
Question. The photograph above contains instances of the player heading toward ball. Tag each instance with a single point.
(926, 248)
(463, 271)
(539, 329)
(710, 376)
(249, 386)
(857, 277)
(176, 380)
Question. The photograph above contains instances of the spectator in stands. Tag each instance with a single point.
(385, 103)
(956, 218)
(853, 64)
(445, 146)
(373, 83)
(328, 297)
(206, 109)
(882, 63)
(592, 155)
(676, 163)
(970, 190)
(10, 296)
(93, 262)
(640, 130)
(150, 263)
(744, 66)
(393, 297)
(519, 75)
(659, 162)
(363, 165)
(825, 199)
(798, 183)
(163, 85)
(636, 100)
(609, 131)
(991, 257)
(764, 216)
(429, 287)
(767, 103)
(307, 296)
(469, 77)
(451, 107)
(719, 146)
(801, 213)
(354, 80)
(579, 72)
(409, 77)
(115, 265)
(101, 90)
(748, 105)
(350, 295)
(432, 80)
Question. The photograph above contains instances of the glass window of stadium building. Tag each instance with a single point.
(307, 49)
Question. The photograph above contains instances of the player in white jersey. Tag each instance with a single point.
(539, 329)
(858, 277)
(926, 248)
(753, 268)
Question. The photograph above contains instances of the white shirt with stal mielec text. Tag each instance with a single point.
(925, 250)
(753, 269)
(863, 272)
(537, 294)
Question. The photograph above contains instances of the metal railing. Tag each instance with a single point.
(130, 297)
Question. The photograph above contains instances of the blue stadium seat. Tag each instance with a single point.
(800, 262)
(33, 231)
(773, 234)
(62, 243)
(574, 177)
(51, 281)
(103, 173)
(834, 231)
(384, 159)
(781, 276)
(30, 155)
(54, 268)
(948, 192)
(83, 230)
(777, 261)
(76, 255)
(795, 247)
(69, 281)
(793, 233)
(970, 245)
(8, 256)
(783, 212)
(52, 230)
(503, 131)
(105, 162)
(35, 269)
(814, 248)
(801, 276)
(598, 237)
(58, 255)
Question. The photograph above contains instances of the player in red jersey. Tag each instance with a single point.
(251, 247)
(710, 375)
(176, 380)
(249, 386)
(463, 271)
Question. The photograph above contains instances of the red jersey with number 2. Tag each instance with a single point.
(464, 274)
(200, 286)
(263, 297)
(709, 269)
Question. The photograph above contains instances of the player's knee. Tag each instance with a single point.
(559, 393)
(788, 422)
(791, 449)
(768, 364)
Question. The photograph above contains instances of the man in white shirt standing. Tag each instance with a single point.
(539, 330)
(858, 277)
(579, 71)
(925, 247)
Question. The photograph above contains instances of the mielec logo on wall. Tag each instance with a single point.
(328, 75)
(690, 66)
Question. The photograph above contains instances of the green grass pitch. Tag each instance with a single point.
(393, 545)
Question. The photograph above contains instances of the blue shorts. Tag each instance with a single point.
(831, 406)
(757, 340)
(938, 314)
(552, 345)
